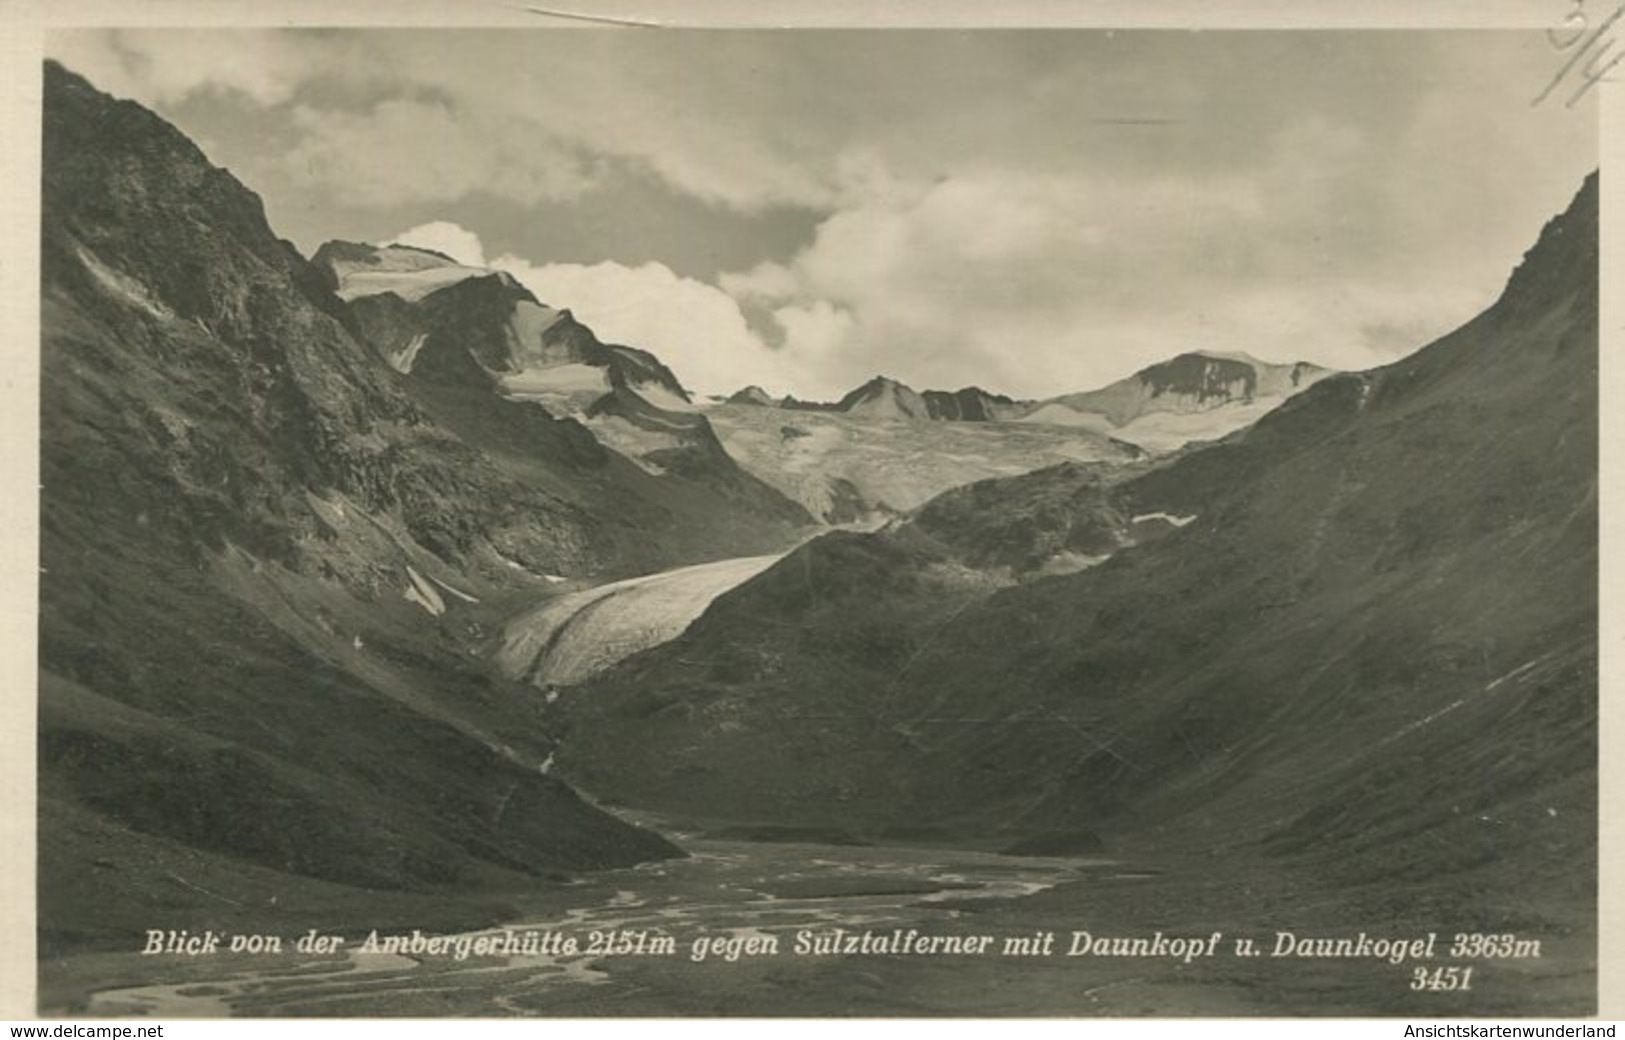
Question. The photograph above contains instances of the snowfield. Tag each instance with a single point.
(1159, 431)
(410, 286)
(529, 324)
(566, 380)
(893, 464)
(662, 398)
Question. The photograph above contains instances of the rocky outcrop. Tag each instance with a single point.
(972, 404)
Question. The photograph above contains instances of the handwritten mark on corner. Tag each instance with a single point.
(1573, 35)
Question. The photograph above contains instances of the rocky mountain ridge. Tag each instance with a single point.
(1201, 395)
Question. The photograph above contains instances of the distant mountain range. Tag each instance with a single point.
(1201, 395)
(886, 398)
(885, 448)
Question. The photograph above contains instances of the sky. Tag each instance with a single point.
(1033, 212)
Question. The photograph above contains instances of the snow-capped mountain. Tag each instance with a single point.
(1201, 395)
(443, 324)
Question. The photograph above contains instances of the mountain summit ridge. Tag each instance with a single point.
(1194, 395)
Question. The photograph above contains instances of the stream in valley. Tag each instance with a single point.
(723, 890)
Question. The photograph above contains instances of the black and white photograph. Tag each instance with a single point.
(594, 518)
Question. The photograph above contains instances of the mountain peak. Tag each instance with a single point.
(752, 394)
(355, 269)
(1196, 395)
(884, 398)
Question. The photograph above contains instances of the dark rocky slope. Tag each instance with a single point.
(1361, 632)
(971, 404)
(264, 566)
(885, 398)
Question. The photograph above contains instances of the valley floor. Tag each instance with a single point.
(745, 892)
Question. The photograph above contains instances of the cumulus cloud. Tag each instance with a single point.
(167, 65)
(1038, 282)
(455, 241)
(814, 334)
(1034, 213)
(1006, 280)
(449, 114)
(404, 151)
(695, 328)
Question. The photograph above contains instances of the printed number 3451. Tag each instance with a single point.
(1441, 980)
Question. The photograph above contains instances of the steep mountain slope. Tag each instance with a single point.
(265, 564)
(1196, 396)
(1361, 633)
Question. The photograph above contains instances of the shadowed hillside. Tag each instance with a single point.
(1361, 633)
(264, 566)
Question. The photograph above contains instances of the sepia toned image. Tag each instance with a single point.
(597, 522)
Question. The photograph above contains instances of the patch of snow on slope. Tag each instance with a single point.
(1177, 521)
(574, 378)
(634, 441)
(423, 594)
(123, 285)
(552, 579)
(529, 324)
(408, 285)
(1167, 431)
(1056, 414)
(465, 597)
(1066, 562)
(403, 360)
(662, 398)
